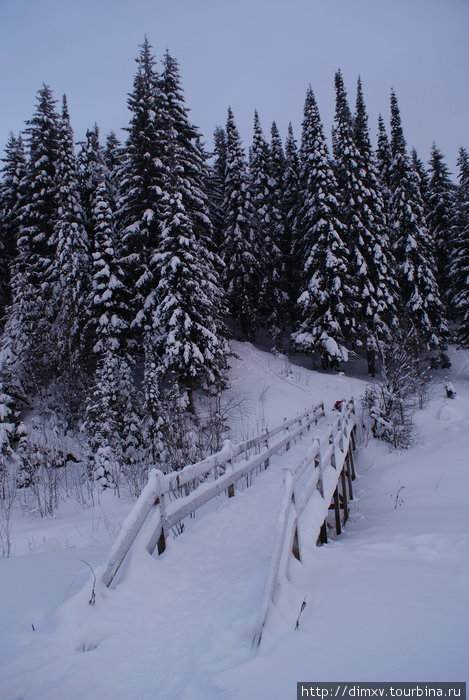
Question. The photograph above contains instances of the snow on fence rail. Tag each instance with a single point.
(196, 484)
(328, 468)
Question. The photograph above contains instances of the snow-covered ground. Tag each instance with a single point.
(386, 601)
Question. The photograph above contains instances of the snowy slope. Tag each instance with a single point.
(390, 599)
(384, 602)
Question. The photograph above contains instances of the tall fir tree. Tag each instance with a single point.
(190, 346)
(92, 170)
(323, 305)
(112, 412)
(412, 244)
(27, 347)
(418, 167)
(216, 185)
(291, 206)
(143, 177)
(459, 260)
(383, 161)
(373, 305)
(281, 263)
(13, 173)
(441, 204)
(267, 224)
(239, 249)
(112, 152)
(184, 151)
(71, 266)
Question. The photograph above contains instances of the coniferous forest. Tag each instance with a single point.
(125, 269)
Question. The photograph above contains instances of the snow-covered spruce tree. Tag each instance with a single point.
(189, 341)
(422, 175)
(27, 347)
(112, 153)
(412, 244)
(373, 304)
(184, 151)
(187, 322)
(142, 179)
(323, 306)
(239, 247)
(383, 162)
(267, 226)
(108, 307)
(71, 266)
(440, 211)
(216, 185)
(92, 170)
(281, 263)
(10, 403)
(459, 260)
(291, 206)
(13, 172)
(112, 415)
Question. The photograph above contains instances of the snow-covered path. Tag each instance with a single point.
(171, 622)
(389, 599)
(386, 601)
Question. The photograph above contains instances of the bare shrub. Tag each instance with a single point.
(392, 403)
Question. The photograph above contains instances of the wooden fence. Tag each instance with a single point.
(329, 469)
(167, 499)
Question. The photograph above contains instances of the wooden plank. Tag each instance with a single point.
(274, 566)
(349, 474)
(338, 528)
(132, 526)
(344, 495)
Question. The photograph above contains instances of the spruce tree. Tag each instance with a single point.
(281, 262)
(189, 344)
(412, 244)
(373, 305)
(28, 349)
(184, 151)
(422, 176)
(383, 161)
(291, 205)
(239, 248)
(92, 171)
(71, 265)
(112, 414)
(323, 306)
(267, 222)
(216, 185)
(13, 173)
(440, 213)
(459, 260)
(112, 152)
(142, 179)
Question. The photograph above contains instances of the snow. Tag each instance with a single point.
(385, 601)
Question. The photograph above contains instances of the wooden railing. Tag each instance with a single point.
(167, 499)
(327, 468)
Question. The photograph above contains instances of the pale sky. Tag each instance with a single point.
(250, 54)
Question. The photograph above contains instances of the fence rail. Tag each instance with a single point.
(333, 450)
(167, 499)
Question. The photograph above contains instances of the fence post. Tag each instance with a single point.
(338, 527)
(231, 487)
(349, 474)
(267, 461)
(344, 496)
(161, 544)
(331, 442)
